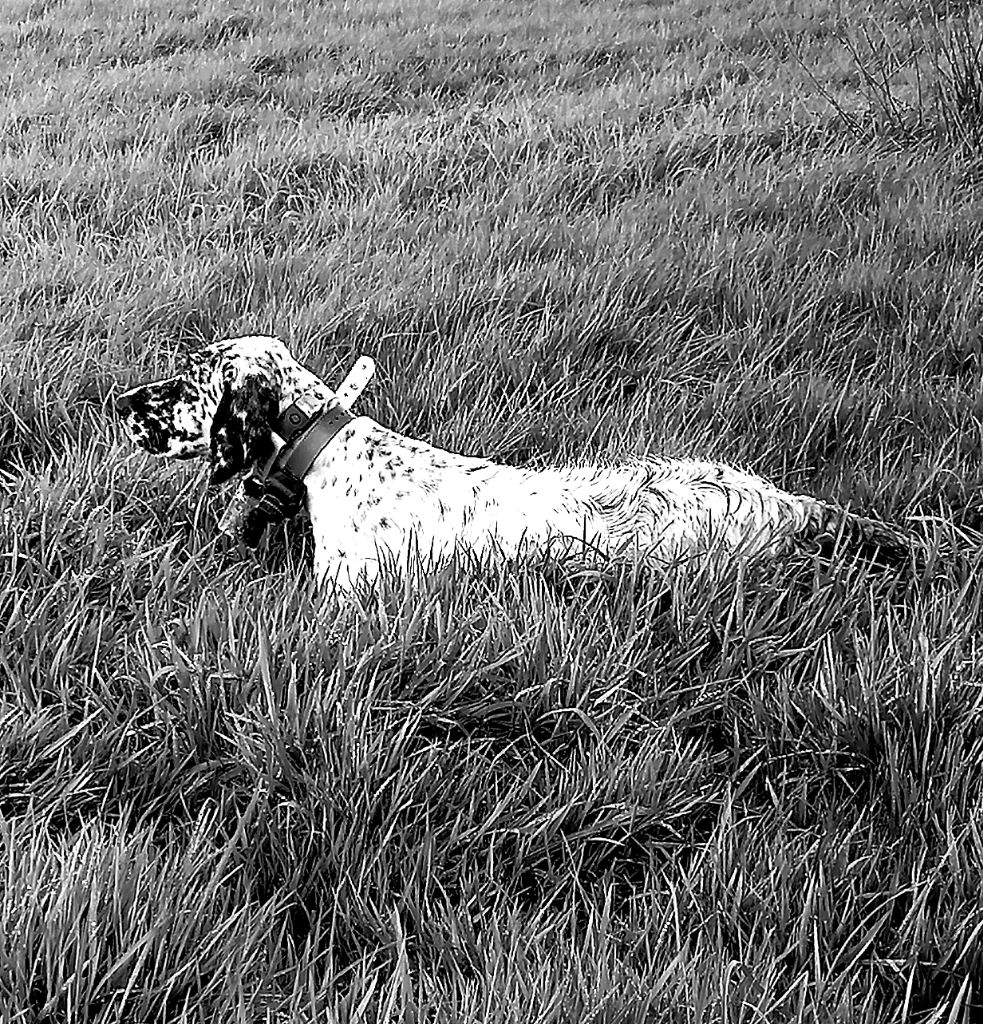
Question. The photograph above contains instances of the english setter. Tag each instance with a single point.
(373, 494)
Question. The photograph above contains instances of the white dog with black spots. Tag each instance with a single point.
(374, 495)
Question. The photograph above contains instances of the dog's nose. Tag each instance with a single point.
(124, 403)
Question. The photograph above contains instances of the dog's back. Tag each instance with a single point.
(665, 509)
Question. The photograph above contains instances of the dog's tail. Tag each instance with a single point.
(829, 527)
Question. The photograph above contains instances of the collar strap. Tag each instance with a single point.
(289, 423)
(306, 436)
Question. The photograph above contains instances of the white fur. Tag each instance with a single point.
(375, 495)
(667, 509)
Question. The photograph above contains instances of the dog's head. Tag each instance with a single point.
(221, 404)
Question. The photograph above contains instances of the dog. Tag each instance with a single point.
(374, 495)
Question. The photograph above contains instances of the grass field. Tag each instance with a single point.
(747, 230)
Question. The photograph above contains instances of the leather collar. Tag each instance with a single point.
(306, 436)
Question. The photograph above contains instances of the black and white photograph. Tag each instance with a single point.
(491, 512)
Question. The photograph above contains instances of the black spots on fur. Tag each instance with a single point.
(241, 433)
(166, 396)
(151, 410)
(384, 523)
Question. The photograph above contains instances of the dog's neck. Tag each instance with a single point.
(299, 386)
(304, 388)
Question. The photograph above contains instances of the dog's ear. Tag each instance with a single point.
(241, 433)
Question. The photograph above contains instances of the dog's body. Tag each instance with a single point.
(373, 494)
(376, 491)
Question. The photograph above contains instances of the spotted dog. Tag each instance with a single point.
(373, 494)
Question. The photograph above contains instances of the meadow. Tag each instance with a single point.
(565, 230)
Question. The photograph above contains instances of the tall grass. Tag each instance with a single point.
(525, 792)
(922, 80)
